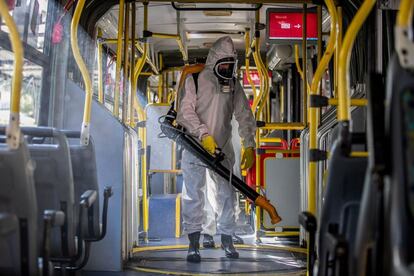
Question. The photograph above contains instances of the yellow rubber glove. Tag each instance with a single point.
(247, 159)
(209, 144)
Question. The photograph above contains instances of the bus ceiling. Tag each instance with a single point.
(95, 9)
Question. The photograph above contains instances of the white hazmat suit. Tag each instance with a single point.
(209, 111)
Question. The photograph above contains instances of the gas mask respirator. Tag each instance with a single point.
(225, 71)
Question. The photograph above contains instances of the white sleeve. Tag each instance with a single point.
(187, 116)
(244, 116)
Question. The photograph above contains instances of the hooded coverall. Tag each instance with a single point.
(209, 112)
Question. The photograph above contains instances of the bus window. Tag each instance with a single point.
(31, 89)
(30, 18)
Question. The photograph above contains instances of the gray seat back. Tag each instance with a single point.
(17, 196)
(85, 178)
(341, 199)
(399, 122)
(369, 237)
(54, 186)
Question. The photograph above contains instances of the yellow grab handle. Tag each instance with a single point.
(13, 129)
(84, 71)
(247, 64)
(345, 56)
(405, 13)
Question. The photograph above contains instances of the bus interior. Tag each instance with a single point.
(91, 179)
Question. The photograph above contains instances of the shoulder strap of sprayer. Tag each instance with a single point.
(195, 78)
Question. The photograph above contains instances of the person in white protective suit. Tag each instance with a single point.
(206, 113)
(210, 203)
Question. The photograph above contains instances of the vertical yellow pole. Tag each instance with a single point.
(118, 57)
(126, 61)
(100, 73)
(314, 111)
(305, 64)
(319, 16)
(160, 78)
(144, 138)
(167, 86)
(282, 103)
(337, 50)
(149, 93)
(258, 180)
(132, 94)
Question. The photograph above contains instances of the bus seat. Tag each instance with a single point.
(399, 187)
(85, 178)
(369, 227)
(54, 187)
(19, 233)
(9, 245)
(340, 209)
(17, 196)
(55, 190)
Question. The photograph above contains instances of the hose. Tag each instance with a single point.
(214, 163)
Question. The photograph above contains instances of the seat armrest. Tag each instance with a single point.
(88, 198)
(108, 192)
(337, 247)
(57, 218)
(51, 218)
(8, 223)
(308, 222)
(337, 244)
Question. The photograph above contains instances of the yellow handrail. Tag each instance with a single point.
(266, 88)
(259, 71)
(314, 111)
(345, 56)
(125, 66)
(283, 126)
(247, 64)
(132, 94)
(148, 60)
(337, 50)
(298, 66)
(405, 13)
(354, 102)
(118, 57)
(84, 71)
(13, 128)
(143, 136)
(270, 140)
(182, 50)
(160, 79)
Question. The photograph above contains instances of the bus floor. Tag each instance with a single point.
(267, 256)
(258, 256)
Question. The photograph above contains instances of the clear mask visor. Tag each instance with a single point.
(226, 68)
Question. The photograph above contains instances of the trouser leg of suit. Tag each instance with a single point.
(225, 197)
(209, 226)
(192, 199)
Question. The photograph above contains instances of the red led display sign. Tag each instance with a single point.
(286, 24)
(254, 75)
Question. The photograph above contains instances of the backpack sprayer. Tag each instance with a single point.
(213, 162)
